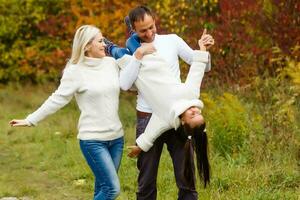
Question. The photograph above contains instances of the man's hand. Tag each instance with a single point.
(206, 41)
(135, 151)
(144, 49)
(19, 122)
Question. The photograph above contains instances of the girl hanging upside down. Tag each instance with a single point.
(174, 104)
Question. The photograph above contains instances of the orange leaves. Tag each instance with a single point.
(30, 52)
(245, 31)
(106, 15)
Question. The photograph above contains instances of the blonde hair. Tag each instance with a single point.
(83, 36)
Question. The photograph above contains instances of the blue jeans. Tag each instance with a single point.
(104, 158)
(132, 44)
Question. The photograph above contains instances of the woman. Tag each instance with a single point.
(174, 104)
(93, 79)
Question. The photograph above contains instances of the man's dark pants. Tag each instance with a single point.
(148, 162)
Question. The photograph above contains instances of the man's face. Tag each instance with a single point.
(145, 29)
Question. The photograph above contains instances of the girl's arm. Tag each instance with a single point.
(186, 53)
(129, 71)
(130, 67)
(201, 62)
(145, 141)
(197, 70)
(154, 129)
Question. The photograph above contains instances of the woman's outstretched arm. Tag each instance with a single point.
(58, 99)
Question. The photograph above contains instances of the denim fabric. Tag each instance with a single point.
(133, 42)
(148, 163)
(104, 158)
(117, 52)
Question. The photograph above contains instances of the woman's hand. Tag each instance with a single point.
(144, 49)
(135, 151)
(206, 41)
(19, 122)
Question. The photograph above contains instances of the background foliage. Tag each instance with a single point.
(36, 35)
(251, 96)
(248, 161)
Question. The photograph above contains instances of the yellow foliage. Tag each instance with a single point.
(229, 122)
(208, 101)
(293, 70)
(106, 15)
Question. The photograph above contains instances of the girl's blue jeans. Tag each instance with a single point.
(104, 158)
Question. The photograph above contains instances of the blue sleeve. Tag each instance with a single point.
(118, 52)
(132, 43)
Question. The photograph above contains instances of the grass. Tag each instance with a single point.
(45, 162)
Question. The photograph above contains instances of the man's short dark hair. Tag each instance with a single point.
(138, 14)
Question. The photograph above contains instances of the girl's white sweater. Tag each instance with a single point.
(165, 94)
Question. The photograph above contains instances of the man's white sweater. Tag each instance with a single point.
(165, 94)
(95, 85)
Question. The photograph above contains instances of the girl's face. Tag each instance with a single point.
(96, 47)
(192, 117)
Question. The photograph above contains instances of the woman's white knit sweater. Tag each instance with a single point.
(95, 85)
(165, 94)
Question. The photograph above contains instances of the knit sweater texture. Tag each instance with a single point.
(95, 85)
(165, 94)
(169, 47)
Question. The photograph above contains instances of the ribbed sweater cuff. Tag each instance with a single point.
(30, 121)
(200, 56)
(144, 143)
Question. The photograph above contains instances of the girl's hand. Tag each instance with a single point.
(135, 151)
(19, 122)
(144, 49)
(206, 41)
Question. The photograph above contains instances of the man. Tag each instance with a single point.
(169, 47)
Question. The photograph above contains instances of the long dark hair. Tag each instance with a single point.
(138, 13)
(195, 141)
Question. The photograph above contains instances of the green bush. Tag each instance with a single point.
(229, 123)
(277, 100)
(25, 46)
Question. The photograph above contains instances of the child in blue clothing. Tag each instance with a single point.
(132, 43)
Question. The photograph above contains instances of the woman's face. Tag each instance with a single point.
(192, 117)
(96, 47)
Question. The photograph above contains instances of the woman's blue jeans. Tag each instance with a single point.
(104, 158)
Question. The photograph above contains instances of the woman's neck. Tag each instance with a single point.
(92, 61)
